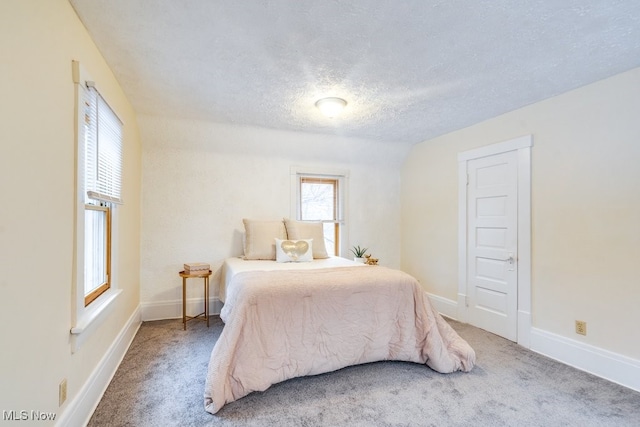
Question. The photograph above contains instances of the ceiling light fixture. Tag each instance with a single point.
(331, 107)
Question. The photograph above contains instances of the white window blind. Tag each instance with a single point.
(103, 149)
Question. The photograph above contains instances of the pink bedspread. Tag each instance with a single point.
(286, 324)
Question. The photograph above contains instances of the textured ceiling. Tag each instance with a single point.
(410, 70)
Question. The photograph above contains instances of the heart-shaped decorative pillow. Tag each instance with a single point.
(293, 250)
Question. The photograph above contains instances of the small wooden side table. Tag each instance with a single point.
(204, 315)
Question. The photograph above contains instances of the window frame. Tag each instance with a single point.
(86, 316)
(341, 178)
(99, 144)
(335, 183)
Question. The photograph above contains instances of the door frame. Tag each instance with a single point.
(523, 146)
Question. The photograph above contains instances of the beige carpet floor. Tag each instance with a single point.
(161, 380)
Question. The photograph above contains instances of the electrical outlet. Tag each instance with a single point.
(62, 392)
(581, 327)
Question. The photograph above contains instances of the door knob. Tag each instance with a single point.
(511, 261)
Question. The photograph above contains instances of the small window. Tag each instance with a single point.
(320, 197)
(101, 141)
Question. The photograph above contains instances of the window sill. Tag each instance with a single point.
(91, 317)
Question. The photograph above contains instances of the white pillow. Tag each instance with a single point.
(297, 230)
(294, 250)
(259, 235)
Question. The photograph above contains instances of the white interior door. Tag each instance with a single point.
(492, 243)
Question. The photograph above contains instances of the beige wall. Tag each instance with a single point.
(585, 209)
(39, 39)
(200, 179)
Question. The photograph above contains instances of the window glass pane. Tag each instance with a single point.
(95, 249)
(330, 237)
(318, 200)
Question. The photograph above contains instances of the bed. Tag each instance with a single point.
(285, 320)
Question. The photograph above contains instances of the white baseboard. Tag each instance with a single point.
(599, 362)
(445, 306)
(173, 309)
(80, 409)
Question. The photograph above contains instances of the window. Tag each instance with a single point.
(102, 162)
(98, 180)
(99, 165)
(319, 196)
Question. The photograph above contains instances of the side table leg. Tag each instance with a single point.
(184, 303)
(206, 299)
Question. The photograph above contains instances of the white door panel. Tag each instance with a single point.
(492, 220)
(491, 238)
(492, 302)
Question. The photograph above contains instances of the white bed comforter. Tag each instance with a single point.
(286, 324)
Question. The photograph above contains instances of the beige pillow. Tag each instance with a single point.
(297, 230)
(259, 242)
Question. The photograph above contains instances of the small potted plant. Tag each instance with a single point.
(358, 253)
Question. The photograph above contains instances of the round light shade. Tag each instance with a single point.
(331, 107)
